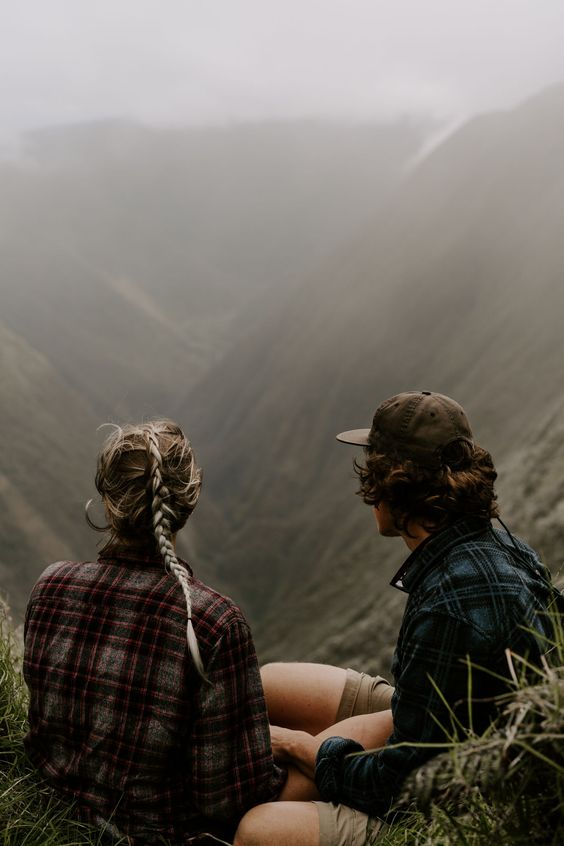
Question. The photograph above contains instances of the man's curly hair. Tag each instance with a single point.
(461, 486)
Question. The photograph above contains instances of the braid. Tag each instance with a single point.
(162, 514)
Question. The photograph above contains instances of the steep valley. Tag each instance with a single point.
(286, 318)
(131, 260)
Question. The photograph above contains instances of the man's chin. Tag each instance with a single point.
(389, 533)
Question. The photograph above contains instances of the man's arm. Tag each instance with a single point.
(299, 749)
(431, 688)
(231, 757)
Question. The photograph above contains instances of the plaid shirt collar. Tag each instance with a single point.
(134, 556)
(434, 547)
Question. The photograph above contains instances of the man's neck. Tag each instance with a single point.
(417, 534)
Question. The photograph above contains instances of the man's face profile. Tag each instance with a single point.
(385, 520)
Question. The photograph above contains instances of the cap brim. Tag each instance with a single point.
(359, 437)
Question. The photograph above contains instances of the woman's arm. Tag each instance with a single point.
(229, 749)
(298, 749)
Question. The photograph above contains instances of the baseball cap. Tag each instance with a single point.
(417, 425)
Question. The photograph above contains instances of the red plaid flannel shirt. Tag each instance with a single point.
(120, 721)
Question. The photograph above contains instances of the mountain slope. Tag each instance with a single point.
(455, 287)
(49, 440)
(127, 252)
(130, 260)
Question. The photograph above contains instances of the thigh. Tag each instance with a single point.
(279, 824)
(298, 787)
(370, 730)
(303, 696)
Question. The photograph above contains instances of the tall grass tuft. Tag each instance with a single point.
(504, 787)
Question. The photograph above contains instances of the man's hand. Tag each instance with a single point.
(294, 747)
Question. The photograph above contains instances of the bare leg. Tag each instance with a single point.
(298, 787)
(280, 823)
(296, 822)
(303, 696)
(370, 730)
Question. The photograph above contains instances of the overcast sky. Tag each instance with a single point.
(193, 61)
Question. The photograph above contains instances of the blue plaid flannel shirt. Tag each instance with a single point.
(472, 596)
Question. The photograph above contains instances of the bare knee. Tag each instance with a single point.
(279, 824)
(251, 828)
(270, 672)
(303, 696)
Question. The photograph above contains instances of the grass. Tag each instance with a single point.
(505, 787)
(30, 813)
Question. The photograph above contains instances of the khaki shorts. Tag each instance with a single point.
(340, 825)
(364, 694)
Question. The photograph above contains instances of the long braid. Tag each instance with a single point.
(161, 527)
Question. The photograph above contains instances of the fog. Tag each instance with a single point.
(186, 61)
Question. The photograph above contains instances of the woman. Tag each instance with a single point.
(146, 704)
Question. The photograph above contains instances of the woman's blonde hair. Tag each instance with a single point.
(149, 482)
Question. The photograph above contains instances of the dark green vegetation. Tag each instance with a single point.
(506, 786)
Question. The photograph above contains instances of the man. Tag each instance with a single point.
(473, 594)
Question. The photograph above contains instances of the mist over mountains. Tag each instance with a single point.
(131, 260)
(456, 287)
(268, 286)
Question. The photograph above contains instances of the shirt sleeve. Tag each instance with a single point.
(231, 756)
(431, 700)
